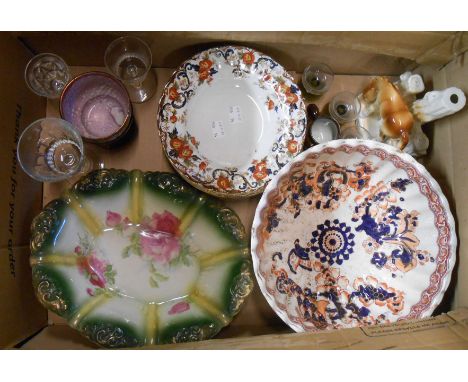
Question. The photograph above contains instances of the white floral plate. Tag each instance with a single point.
(229, 119)
(132, 259)
(352, 233)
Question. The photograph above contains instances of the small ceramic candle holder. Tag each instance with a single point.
(324, 130)
(99, 107)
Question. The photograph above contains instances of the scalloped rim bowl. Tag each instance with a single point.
(353, 233)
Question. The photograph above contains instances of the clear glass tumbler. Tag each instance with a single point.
(344, 107)
(51, 150)
(317, 79)
(46, 75)
(129, 59)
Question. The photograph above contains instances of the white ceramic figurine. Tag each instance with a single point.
(375, 118)
(438, 104)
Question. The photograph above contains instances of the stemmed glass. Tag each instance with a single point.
(46, 75)
(344, 107)
(51, 150)
(354, 131)
(129, 59)
(317, 78)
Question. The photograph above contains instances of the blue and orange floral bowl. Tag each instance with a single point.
(140, 258)
(353, 233)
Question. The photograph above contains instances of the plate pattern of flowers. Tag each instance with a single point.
(97, 270)
(182, 148)
(132, 258)
(332, 242)
(377, 247)
(335, 302)
(158, 241)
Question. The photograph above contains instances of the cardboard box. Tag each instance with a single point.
(256, 326)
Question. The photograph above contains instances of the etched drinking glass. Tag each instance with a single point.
(129, 59)
(51, 150)
(46, 74)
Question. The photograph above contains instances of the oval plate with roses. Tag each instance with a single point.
(229, 119)
(140, 258)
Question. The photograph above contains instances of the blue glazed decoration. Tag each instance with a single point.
(332, 242)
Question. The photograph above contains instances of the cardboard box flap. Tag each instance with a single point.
(20, 313)
(447, 331)
(448, 164)
(388, 53)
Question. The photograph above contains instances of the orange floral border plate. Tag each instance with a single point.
(182, 148)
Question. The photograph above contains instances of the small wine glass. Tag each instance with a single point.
(317, 79)
(129, 59)
(354, 131)
(344, 107)
(51, 150)
(46, 74)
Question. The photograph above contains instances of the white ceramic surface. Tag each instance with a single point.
(352, 233)
(229, 119)
(324, 130)
(132, 259)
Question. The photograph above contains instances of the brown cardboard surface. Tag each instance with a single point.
(145, 153)
(20, 313)
(447, 331)
(59, 337)
(449, 159)
(345, 52)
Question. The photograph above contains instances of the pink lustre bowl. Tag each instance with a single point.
(353, 233)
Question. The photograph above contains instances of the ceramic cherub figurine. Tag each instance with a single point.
(395, 116)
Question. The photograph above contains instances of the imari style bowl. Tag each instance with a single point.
(353, 233)
(229, 119)
(140, 258)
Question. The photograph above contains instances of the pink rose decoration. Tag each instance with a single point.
(95, 268)
(90, 291)
(78, 249)
(161, 248)
(113, 219)
(165, 222)
(179, 308)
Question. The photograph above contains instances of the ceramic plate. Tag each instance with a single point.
(229, 119)
(353, 233)
(132, 259)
